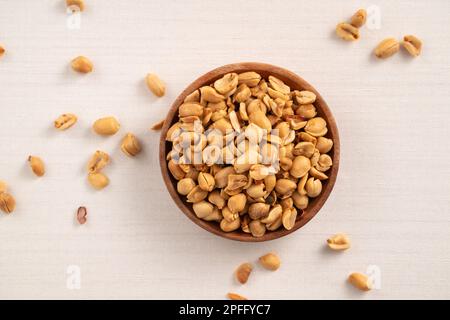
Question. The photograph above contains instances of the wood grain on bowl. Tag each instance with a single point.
(296, 83)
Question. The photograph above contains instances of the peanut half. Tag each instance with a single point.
(98, 161)
(359, 18)
(270, 261)
(98, 180)
(155, 84)
(2, 50)
(413, 45)
(243, 272)
(158, 125)
(360, 281)
(387, 48)
(235, 296)
(37, 165)
(106, 126)
(65, 121)
(81, 215)
(339, 241)
(347, 32)
(82, 64)
(130, 145)
(7, 202)
(76, 3)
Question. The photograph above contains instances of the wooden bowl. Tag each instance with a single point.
(295, 82)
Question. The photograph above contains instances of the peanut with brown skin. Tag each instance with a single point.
(243, 272)
(235, 296)
(7, 202)
(37, 165)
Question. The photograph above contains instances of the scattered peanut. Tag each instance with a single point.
(387, 48)
(98, 180)
(130, 145)
(2, 50)
(37, 165)
(339, 241)
(413, 45)
(243, 272)
(158, 125)
(81, 215)
(270, 261)
(98, 161)
(106, 126)
(359, 18)
(77, 3)
(347, 32)
(7, 202)
(82, 64)
(235, 296)
(65, 121)
(155, 84)
(360, 281)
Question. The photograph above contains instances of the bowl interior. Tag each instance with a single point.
(296, 83)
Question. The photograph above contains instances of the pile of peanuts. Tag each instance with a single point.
(249, 152)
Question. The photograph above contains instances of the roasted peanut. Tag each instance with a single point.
(37, 165)
(237, 203)
(7, 202)
(106, 126)
(235, 296)
(82, 64)
(339, 241)
(206, 181)
(203, 209)
(270, 261)
(347, 32)
(155, 84)
(65, 121)
(289, 217)
(227, 83)
(130, 145)
(98, 180)
(98, 161)
(243, 272)
(360, 281)
(359, 18)
(257, 228)
(184, 186)
(313, 187)
(227, 226)
(413, 45)
(387, 48)
(2, 50)
(158, 125)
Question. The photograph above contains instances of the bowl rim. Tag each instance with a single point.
(322, 109)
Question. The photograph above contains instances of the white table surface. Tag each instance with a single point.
(393, 191)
